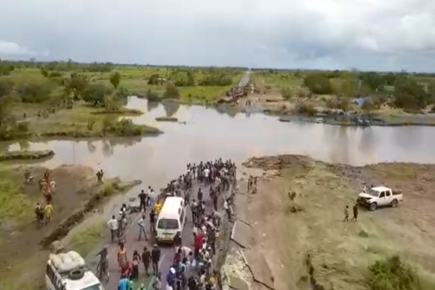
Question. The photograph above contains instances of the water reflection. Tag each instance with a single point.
(152, 105)
(171, 108)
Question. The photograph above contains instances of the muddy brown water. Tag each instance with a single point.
(206, 133)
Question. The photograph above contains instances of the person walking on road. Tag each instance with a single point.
(113, 227)
(155, 258)
(346, 214)
(355, 212)
(122, 255)
(146, 258)
(141, 224)
(143, 199)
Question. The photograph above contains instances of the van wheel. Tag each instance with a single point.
(373, 206)
(394, 203)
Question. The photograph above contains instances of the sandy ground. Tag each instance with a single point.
(21, 243)
(286, 232)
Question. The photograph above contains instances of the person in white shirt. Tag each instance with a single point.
(185, 251)
(113, 227)
(141, 224)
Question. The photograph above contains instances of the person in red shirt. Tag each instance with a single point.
(198, 243)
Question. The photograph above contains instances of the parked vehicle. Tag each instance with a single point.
(378, 197)
(171, 219)
(68, 271)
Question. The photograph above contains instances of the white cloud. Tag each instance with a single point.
(12, 48)
(365, 34)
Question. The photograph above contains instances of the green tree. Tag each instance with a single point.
(115, 78)
(171, 92)
(374, 81)
(318, 84)
(154, 79)
(94, 94)
(77, 84)
(349, 87)
(33, 92)
(410, 95)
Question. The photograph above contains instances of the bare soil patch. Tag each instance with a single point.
(304, 239)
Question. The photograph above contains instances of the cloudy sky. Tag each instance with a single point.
(324, 34)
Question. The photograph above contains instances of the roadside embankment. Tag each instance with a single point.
(291, 234)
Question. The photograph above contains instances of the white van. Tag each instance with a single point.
(171, 219)
(68, 271)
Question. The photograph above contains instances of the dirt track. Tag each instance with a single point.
(286, 231)
(76, 187)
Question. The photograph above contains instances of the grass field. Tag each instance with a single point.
(135, 80)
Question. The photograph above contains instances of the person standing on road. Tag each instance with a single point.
(146, 258)
(346, 214)
(143, 199)
(122, 256)
(355, 212)
(48, 209)
(141, 224)
(200, 195)
(152, 220)
(177, 240)
(113, 227)
(155, 258)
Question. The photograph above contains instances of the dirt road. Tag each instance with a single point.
(168, 252)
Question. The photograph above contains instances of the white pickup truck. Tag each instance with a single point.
(379, 196)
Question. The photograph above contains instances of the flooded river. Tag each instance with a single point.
(208, 133)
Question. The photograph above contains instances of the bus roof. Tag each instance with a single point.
(171, 207)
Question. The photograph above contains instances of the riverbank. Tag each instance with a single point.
(26, 155)
(77, 194)
(304, 199)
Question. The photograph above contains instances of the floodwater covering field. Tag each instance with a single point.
(206, 133)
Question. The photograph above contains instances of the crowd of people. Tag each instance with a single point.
(192, 262)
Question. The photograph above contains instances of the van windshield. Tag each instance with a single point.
(93, 287)
(168, 224)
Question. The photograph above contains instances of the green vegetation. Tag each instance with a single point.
(13, 204)
(84, 241)
(385, 93)
(394, 274)
(68, 99)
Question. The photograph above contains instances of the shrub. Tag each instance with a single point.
(286, 93)
(171, 92)
(6, 87)
(392, 274)
(34, 92)
(307, 110)
(318, 84)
